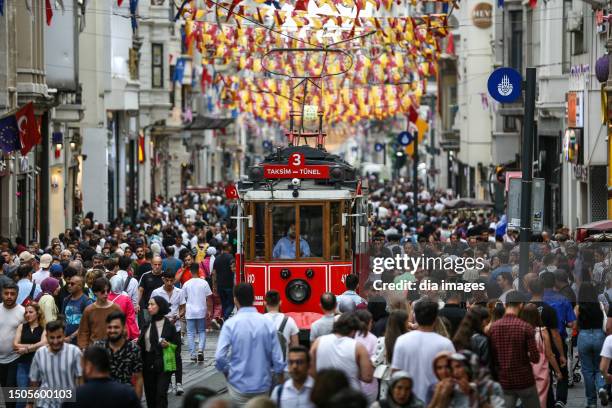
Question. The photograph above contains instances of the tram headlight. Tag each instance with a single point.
(298, 291)
(255, 174)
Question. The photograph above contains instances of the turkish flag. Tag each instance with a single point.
(28, 128)
(231, 192)
(48, 11)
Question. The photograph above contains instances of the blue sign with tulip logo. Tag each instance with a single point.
(505, 85)
(404, 138)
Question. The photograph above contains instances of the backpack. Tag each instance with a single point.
(281, 337)
(127, 283)
(30, 298)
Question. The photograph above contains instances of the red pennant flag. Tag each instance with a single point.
(231, 192)
(413, 115)
(49, 11)
(119, 2)
(533, 3)
(301, 5)
(28, 128)
(450, 45)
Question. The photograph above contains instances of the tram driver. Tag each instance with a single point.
(285, 247)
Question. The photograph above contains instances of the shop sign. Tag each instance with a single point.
(581, 173)
(482, 15)
(575, 109)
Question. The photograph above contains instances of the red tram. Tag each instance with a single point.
(302, 228)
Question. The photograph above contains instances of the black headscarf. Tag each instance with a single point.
(164, 308)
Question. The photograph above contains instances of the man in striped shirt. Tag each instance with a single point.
(56, 366)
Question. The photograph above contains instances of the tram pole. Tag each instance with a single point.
(527, 168)
(415, 178)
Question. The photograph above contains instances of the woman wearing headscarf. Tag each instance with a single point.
(469, 385)
(50, 288)
(121, 299)
(441, 369)
(156, 335)
(400, 393)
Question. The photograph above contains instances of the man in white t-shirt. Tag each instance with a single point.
(604, 368)
(43, 273)
(197, 294)
(290, 329)
(414, 351)
(11, 315)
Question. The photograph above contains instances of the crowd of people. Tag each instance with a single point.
(108, 309)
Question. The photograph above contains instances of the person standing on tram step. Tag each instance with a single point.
(248, 350)
(285, 247)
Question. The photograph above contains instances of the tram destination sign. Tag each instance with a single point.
(296, 168)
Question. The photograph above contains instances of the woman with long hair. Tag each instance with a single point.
(590, 318)
(397, 324)
(496, 311)
(155, 336)
(541, 372)
(369, 341)
(470, 335)
(29, 337)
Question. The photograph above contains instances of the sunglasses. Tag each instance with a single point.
(296, 362)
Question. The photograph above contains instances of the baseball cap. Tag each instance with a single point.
(56, 270)
(45, 260)
(25, 256)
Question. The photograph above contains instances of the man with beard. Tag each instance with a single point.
(125, 357)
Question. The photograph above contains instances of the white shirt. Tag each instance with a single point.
(196, 291)
(290, 328)
(9, 320)
(606, 350)
(176, 299)
(40, 276)
(132, 288)
(414, 353)
(339, 352)
(292, 397)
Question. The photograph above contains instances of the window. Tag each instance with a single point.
(259, 223)
(311, 230)
(516, 40)
(292, 239)
(335, 218)
(157, 65)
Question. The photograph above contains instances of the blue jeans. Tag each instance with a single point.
(227, 301)
(590, 343)
(196, 326)
(23, 378)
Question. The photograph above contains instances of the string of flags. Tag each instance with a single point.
(19, 130)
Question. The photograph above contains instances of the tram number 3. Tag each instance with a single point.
(250, 278)
(296, 160)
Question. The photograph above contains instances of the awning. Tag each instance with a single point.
(208, 123)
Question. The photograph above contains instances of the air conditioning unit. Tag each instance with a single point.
(574, 21)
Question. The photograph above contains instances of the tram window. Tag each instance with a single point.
(349, 232)
(335, 220)
(283, 232)
(311, 231)
(260, 230)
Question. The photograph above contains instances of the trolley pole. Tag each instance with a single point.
(526, 167)
(608, 90)
(415, 178)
